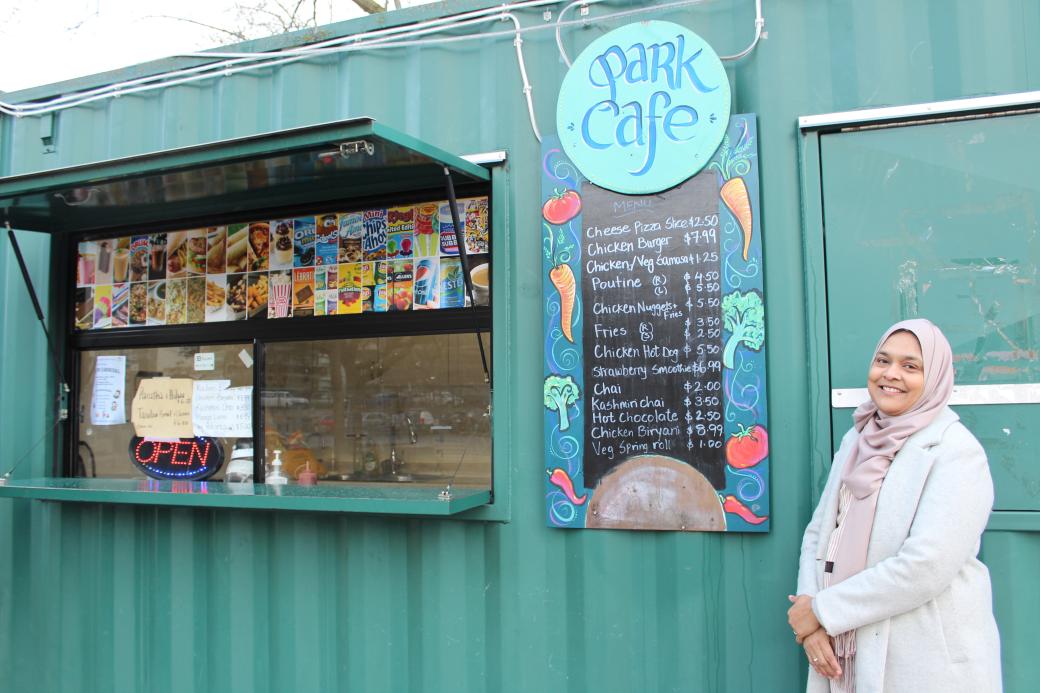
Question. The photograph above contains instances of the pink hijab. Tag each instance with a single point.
(880, 439)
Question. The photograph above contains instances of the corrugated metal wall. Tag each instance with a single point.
(137, 599)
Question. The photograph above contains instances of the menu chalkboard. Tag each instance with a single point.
(653, 327)
(654, 377)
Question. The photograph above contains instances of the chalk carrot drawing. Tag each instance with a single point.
(559, 477)
(733, 162)
(734, 193)
(562, 277)
(731, 505)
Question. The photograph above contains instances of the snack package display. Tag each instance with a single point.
(427, 230)
(303, 292)
(326, 249)
(377, 260)
(477, 225)
(351, 234)
(425, 287)
(452, 286)
(449, 245)
(303, 242)
(259, 246)
(400, 287)
(139, 253)
(279, 303)
(281, 244)
(373, 243)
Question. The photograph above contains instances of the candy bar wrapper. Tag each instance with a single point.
(449, 246)
(400, 287)
(102, 306)
(279, 303)
(85, 308)
(139, 252)
(373, 244)
(425, 286)
(427, 230)
(303, 243)
(452, 286)
(120, 305)
(326, 249)
(477, 225)
(351, 236)
(303, 292)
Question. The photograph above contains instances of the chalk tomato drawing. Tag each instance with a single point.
(747, 447)
(562, 206)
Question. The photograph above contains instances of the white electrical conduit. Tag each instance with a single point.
(760, 23)
(383, 38)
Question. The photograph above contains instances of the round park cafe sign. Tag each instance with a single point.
(643, 108)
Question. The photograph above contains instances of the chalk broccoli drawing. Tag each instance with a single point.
(745, 319)
(560, 393)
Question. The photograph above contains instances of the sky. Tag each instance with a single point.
(47, 41)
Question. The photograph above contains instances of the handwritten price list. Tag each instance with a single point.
(652, 327)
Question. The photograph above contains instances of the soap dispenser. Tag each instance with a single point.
(275, 476)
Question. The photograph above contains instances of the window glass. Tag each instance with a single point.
(217, 380)
(392, 410)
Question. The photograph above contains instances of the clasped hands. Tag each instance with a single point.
(811, 635)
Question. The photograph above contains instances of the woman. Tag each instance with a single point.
(891, 596)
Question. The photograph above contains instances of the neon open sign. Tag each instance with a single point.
(182, 458)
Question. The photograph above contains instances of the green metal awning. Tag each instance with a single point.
(341, 161)
(391, 499)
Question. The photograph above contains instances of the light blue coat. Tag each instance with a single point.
(922, 608)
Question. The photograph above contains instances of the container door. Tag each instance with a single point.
(942, 221)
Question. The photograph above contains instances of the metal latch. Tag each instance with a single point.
(356, 147)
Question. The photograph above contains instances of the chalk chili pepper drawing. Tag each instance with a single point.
(731, 505)
(562, 479)
(732, 163)
(562, 277)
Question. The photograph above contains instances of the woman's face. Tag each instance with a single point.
(896, 378)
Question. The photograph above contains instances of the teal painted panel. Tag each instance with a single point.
(941, 221)
(156, 599)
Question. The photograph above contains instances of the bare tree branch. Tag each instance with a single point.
(370, 6)
(230, 32)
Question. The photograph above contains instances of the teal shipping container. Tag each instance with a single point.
(895, 142)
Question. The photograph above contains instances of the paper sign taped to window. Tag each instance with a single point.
(107, 405)
(162, 408)
(219, 410)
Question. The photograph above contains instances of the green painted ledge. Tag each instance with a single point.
(380, 499)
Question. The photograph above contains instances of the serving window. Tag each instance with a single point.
(320, 298)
